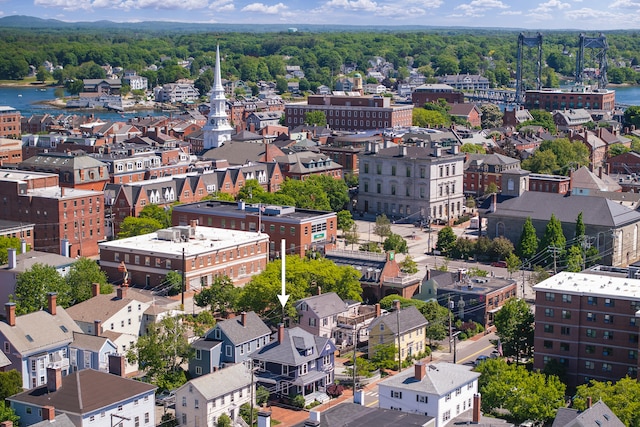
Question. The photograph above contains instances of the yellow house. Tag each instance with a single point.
(413, 331)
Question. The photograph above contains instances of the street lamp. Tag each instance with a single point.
(453, 338)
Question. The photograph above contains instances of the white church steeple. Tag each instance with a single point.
(217, 131)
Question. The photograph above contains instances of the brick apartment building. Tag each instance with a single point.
(556, 99)
(74, 171)
(10, 151)
(9, 122)
(58, 213)
(202, 253)
(588, 323)
(301, 229)
(434, 92)
(351, 112)
(481, 170)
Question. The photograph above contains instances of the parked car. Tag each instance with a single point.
(502, 264)
(166, 398)
(480, 359)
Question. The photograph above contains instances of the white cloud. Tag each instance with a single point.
(64, 4)
(222, 5)
(263, 8)
(625, 4)
(510, 13)
(478, 8)
(550, 6)
(367, 5)
(125, 5)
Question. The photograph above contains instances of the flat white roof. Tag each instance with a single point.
(207, 240)
(592, 285)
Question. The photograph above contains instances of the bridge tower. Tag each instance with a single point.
(529, 42)
(599, 48)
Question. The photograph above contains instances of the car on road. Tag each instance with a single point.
(166, 398)
(480, 359)
(502, 264)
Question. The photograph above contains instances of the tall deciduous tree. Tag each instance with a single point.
(315, 118)
(395, 243)
(514, 327)
(528, 244)
(160, 214)
(5, 244)
(132, 226)
(446, 240)
(491, 116)
(82, 275)
(351, 236)
(33, 286)
(221, 296)
(382, 227)
(345, 221)
(161, 351)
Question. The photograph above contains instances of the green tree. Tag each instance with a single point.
(428, 118)
(132, 226)
(370, 247)
(42, 75)
(336, 190)
(528, 243)
(224, 421)
(160, 214)
(491, 188)
(491, 116)
(632, 116)
(385, 356)
(463, 248)
(382, 228)
(395, 242)
(574, 259)
(469, 147)
(501, 247)
(553, 236)
(10, 384)
(33, 285)
(622, 397)
(580, 227)
(82, 275)
(539, 274)
(513, 263)
(262, 395)
(221, 296)
(351, 236)
(540, 118)
(617, 149)
(541, 162)
(248, 414)
(345, 221)
(308, 194)
(446, 240)
(315, 118)
(161, 351)
(5, 244)
(408, 265)
(8, 414)
(525, 395)
(514, 327)
(173, 282)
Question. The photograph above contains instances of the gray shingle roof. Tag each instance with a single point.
(221, 382)
(324, 305)
(286, 353)
(354, 415)
(596, 211)
(88, 342)
(440, 379)
(598, 415)
(238, 333)
(409, 319)
(101, 307)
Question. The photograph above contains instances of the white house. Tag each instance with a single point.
(202, 400)
(318, 314)
(441, 390)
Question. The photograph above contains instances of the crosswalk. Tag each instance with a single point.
(371, 398)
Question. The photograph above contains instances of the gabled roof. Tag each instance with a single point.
(88, 342)
(584, 178)
(221, 382)
(440, 379)
(238, 333)
(26, 260)
(409, 318)
(291, 350)
(596, 211)
(599, 415)
(101, 307)
(85, 391)
(39, 331)
(61, 420)
(324, 305)
(355, 415)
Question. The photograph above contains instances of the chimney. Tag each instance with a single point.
(48, 413)
(319, 290)
(193, 223)
(95, 289)
(264, 418)
(97, 325)
(280, 332)
(477, 400)
(396, 304)
(377, 306)
(13, 261)
(589, 402)
(243, 318)
(420, 370)
(600, 172)
(10, 313)
(6, 424)
(459, 275)
(428, 276)
(241, 205)
(494, 202)
(23, 246)
(116, 364)
(51, 303)
(358, 397)
(121, 292)
(64, 247)
(314, 419)
(54, 379)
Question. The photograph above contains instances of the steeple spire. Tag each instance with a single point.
(217, 131)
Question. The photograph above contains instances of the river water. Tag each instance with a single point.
(25, 99)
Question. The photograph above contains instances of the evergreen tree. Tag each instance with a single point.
(580, 228)
(446, 240)
(528, 244)
(553, 237)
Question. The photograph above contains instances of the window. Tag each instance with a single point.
(198, 370)
(396, 394)
(184, 401)
(146, 418)
(548, 344)
(550, 296)
(608, 302)
(591, 317)
(564, 346)
(592, 300)
(608, 318)
(607, 351)
(422, 399)
(607, 335)
(548, 312)
(566, 298)
(565, 330)
(566, 314)
(589, 365)
(633, 354)
(136, 422)
(607, 367)
(590, 349)
(548, 329)
(446, 416)
(197, 404)
(591, 333)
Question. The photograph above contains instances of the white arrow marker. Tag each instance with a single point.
(283, 297)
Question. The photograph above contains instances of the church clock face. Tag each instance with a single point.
(212, 121)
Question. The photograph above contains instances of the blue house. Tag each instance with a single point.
(230, 341)
(296, 363)
(90, 352)
(36, 341)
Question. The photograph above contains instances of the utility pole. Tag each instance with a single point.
(523, 267)
(184, 269)
(449, 305)
(555, 256)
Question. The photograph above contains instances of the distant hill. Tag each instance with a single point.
(31, 22)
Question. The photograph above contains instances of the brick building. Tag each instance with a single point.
(556, 99)
(481, 170)
(302, 229)
(9, 122)
(10, 151)
(434, 92)
(202, 253)
(74, 171)
(351, 112)
(58, 213)
(588, 323)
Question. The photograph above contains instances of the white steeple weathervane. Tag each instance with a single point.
(217, 131)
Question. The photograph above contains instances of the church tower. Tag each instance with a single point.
(217, 131)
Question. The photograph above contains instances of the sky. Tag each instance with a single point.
(587, 15)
